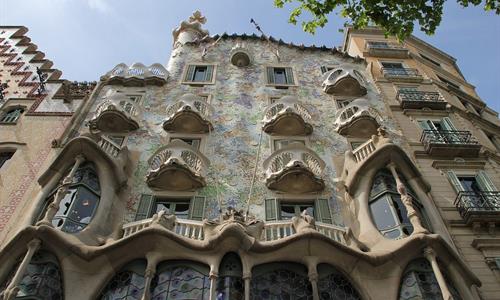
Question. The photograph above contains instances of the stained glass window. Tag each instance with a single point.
(42, 280)
(280, 281)
(419, 282)
(332, 285)
(127, 284)
(230, 285)
(181, 280)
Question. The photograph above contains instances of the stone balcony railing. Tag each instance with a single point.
(276, 230)
(479, 207)
(450, 143)
(187, 228)
(136, 75)
(287, 116)
(190, 114)
(294, 169)
(421, 99)
(358, 119)
(177, 167)
(116, 113)
(402, 74)
(344, 81)
(386, 49)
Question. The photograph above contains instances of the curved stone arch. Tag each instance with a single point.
(333, 284)
(111, 178)
(130, 277)
(287, 278)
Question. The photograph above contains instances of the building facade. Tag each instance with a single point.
(250, 168)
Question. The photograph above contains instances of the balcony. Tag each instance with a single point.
(358, 119)
(386, 49)
(482, 207)
(294, 169)
(190, 114)
(177, 167)
(402, 74)
(136, 75)
(344, 81)
(287, 116)
(187, 228)
(116, 113)
(421, 99)
(450, 143)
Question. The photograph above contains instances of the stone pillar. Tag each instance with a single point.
(430, 255)
(53, 207)
(247, 278)
(11, 291)
(408, 202)
(213, 285)
(149, 274)
(313, 279)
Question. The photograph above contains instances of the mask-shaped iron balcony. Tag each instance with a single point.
(287, 116)
(190, 114)
(344, 81)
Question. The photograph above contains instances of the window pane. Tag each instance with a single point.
(287, 212)
(382, 214)
(182, 210)
(308, 208)
(162, 206)
(392, 65)
(469, 184)
(280, 76)
(200, 73)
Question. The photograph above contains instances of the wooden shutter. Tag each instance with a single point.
(455, 182)
(271, 209)
(323, 213)
(485, 182)
(324, 69)
(270, 75)
(197, 211)
(209, 73)
(190, 73)
(144, 207)
(447, 124)
(289, 75)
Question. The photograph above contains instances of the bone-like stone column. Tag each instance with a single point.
(53, 207)
(313, 279)
(430, 255)
(407, 201)
(247, 278)
(149, 274)
(11, 291)
(213, 285)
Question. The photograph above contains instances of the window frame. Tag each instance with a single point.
(273, 139)
(5, 112)
(199, 83)
(147, 204)
(4, 163)
(282, 85)
(201, 137)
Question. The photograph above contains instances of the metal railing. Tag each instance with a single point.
(182, 155)
(469, 203)
(384, 46)
(400, 72)
(295, 154)
(286, 104)
(419, 96)
(192, 103)
(452, 137)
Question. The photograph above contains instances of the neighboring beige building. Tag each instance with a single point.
(251, 168)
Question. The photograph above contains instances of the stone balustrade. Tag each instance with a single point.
(187, 228)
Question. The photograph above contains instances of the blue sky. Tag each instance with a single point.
(87, 38)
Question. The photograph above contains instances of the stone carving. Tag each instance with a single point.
(304, 222)
(164, 219)
(249, 224)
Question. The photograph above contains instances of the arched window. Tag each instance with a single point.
(387, 209)
(280, 281)
(42, 279)
(11, 116)
(127, 284)
(181, 280)
(78, 207)
(332, 285)
(419, 282)
(230, 285)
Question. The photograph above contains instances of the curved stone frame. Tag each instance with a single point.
(112, 178)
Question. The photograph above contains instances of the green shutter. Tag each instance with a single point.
(144, 207)
(289, 75)
(197, 211)
(485, 182)
(209, 73)
(455, 181)
(270, 75)
(271, 209)
(323, 213)
(447, 124)
(190, 73)
(324, 69)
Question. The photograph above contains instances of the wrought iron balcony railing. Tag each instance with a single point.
(419, 99)
(403, 73)
(453, 137)
(476, 206)
(384, 45)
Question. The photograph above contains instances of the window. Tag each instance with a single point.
(286, 209)
(471, 183)
(274, 99)
(379, 44)
(449, 83)
(180, 280)
(193, 142)
(4, 157)
(230, 284)
(78, 206)
(441, 131)
(126, 284)
(444, 124)
(182, 208)
(334, 285)
(279, 143)
(199, 74)
(280, 76)
(325, 69)
(341, 103)
(281, 280)
(430, 60)
(11, 116)
(392, 65)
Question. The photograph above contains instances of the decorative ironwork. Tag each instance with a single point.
(400, 72)
(3, 87)
(481, 203)
(125, 285)
(280, 283)
(419, 96)
(332, 285)
(180, 282)
(384, 46)
(454, 137)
